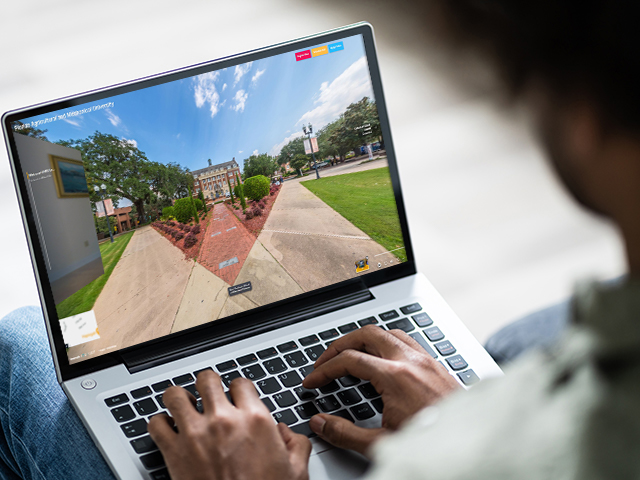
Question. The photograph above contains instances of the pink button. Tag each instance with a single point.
(303, 55)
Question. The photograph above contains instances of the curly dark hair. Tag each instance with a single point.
(590, 46)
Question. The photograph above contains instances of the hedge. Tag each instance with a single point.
(183, 210)
(256, 188)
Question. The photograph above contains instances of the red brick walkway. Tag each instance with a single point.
(226, 245)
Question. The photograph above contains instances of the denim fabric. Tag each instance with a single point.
(41, 437)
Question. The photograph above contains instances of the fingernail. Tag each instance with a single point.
(317, 424)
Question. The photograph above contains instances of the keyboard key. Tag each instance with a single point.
(303, 429)
(267, 353)
(226, 366)
(274, 366)
(143, 444)
(328, 404)
(349, 327)
(329, 334)
(403, 324)
(349, 397)
(445, 348)
(422, 320)
(306, 370)
(349, 381)
(310, 340)
(290, 379)
(423, 343)
(306, 393)
(434, 334)
(390, 315)
(367, 321)
(344, 414)
(468, 377)
(227, 378)
(116, 400)
(329, 343)
(306, 410)
(146, 407)
(183, 379)
(135, 428)
(268, 403)
(192, 390)
(362, 411)
(197, 372)
(413, 308)
(296, 359)
(123, 414)
(287, 347)
(285, 399)
(160, 475)
(377, 404)
(286, 416)
(159, 400)
(254, 372)
(268, 386)
(330, 387)
(314, 352)
(368, 391)
(161, 386)
(152, 460)
(199, 406)
(247, 359)
(141, 392)
(457, 362)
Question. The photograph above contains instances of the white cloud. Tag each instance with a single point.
(239, 151)
(72, 122)
(275, 150)
(254, 79)
(113, 118)
(333, 99)
(131, 142)
(178, 136)
(224, 87)
(205, 91)
(240, 71)
(255, 153)
(240, 99)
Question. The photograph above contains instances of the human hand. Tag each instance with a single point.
(226, 441)
(407, 378)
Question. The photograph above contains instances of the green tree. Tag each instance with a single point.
(240, 187)
(361, 117)
(194, 209)
(299, 161)
(202, 199)
(183, 210)
(167, 212)
(230, 191)
(262, 164)
(341, 137)
(290, 150)
(29, 131)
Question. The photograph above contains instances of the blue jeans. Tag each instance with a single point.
(41, 437)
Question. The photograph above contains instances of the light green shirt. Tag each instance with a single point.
(569, 412)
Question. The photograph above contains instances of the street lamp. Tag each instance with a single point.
(308, 133)
(101, 193)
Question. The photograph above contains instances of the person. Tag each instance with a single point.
(567, 410)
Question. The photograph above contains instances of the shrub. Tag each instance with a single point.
(199, 204)
(167, 212)
(256, 187)
(171, 223)
(190, 240)
(183, 210)
(261, 205)
(195, 229)
(256, 211)
(248, 214)
(178, 236)
(180, 226)
(187, 228)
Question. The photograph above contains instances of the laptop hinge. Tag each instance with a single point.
(159, 355)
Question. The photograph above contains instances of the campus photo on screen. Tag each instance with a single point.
(179, 204)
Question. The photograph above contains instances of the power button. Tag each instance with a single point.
(88, 384)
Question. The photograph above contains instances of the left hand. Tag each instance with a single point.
(226, 441)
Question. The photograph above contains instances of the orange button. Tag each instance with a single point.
(315, 52)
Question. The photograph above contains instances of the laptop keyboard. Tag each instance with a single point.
(277, 373)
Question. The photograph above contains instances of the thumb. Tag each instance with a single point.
(342, 433)
(299, 448)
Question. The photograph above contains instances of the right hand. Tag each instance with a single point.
(407, 378)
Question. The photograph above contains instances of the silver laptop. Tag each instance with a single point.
(237, 215)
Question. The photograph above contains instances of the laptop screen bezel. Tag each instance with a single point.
(67, 371)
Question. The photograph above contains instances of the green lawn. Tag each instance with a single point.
(84, 299)
(366, 200)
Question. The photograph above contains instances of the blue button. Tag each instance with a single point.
(334, 47)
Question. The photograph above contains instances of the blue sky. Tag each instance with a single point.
(251, 108)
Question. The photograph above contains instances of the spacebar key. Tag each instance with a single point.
(423, 343)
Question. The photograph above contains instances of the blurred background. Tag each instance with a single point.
(491, 227)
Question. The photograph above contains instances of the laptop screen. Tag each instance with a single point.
(188, 201)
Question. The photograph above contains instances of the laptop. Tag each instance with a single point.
(236, 215)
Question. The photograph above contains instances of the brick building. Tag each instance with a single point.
(212, 180)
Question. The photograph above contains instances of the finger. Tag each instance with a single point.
(181, 404)
(348, 362)
(244, 394)
(298, 445)
(160, 428)
(406, 338)
(370, 338)
(209, 386)
(344, 434)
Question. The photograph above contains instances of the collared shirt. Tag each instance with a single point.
(571, 411)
